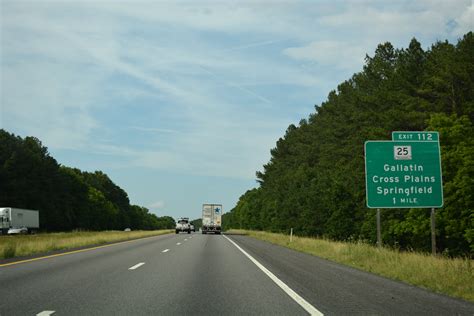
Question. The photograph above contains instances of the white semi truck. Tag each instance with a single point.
(14, 220)
(211, 218)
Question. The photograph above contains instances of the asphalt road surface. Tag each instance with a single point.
(206, 274)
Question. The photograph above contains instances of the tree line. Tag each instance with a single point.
(197, 223)
(315, 179)
(67, 198)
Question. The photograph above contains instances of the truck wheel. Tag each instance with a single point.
(189, 231)
(203, 232)
(177, 232)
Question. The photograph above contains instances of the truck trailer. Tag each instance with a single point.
(211, 218)
(16, 218)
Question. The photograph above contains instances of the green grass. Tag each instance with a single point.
(453, 277)
(25, 245)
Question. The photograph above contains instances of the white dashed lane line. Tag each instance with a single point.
(45, 313)
(166, 250)
(138, 265)
(178, 243)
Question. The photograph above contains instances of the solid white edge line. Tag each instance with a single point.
(46, 313)
(138, 265)
(166, 250)
(298, 299)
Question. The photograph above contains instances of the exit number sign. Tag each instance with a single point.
(416, 136)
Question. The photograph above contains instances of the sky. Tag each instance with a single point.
(180, 102)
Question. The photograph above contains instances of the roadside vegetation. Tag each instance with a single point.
(25, 245)
(315, 178)
(67, 198)
(197, 223)
(450, 276)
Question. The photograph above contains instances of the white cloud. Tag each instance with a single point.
(345, 55)
(165, 160)
(33, 102)
(465, 22)
(157, 205)
(215, 16)
(396, 22)
(153, 129)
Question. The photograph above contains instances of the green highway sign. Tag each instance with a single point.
(403, 174)
(415, 136)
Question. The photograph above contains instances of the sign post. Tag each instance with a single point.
(404, 173)
(379, 230)
(433, 232)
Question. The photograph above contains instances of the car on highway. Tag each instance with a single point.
(183, 225)
(18, 231)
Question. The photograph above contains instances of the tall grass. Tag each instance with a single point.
(454, 277)
(25, 245)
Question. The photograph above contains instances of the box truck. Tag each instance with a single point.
(17, 220)
(211, 218)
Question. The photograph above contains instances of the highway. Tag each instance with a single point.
(207, 274)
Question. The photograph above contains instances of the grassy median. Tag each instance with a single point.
(25, 245)
(453, 277)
